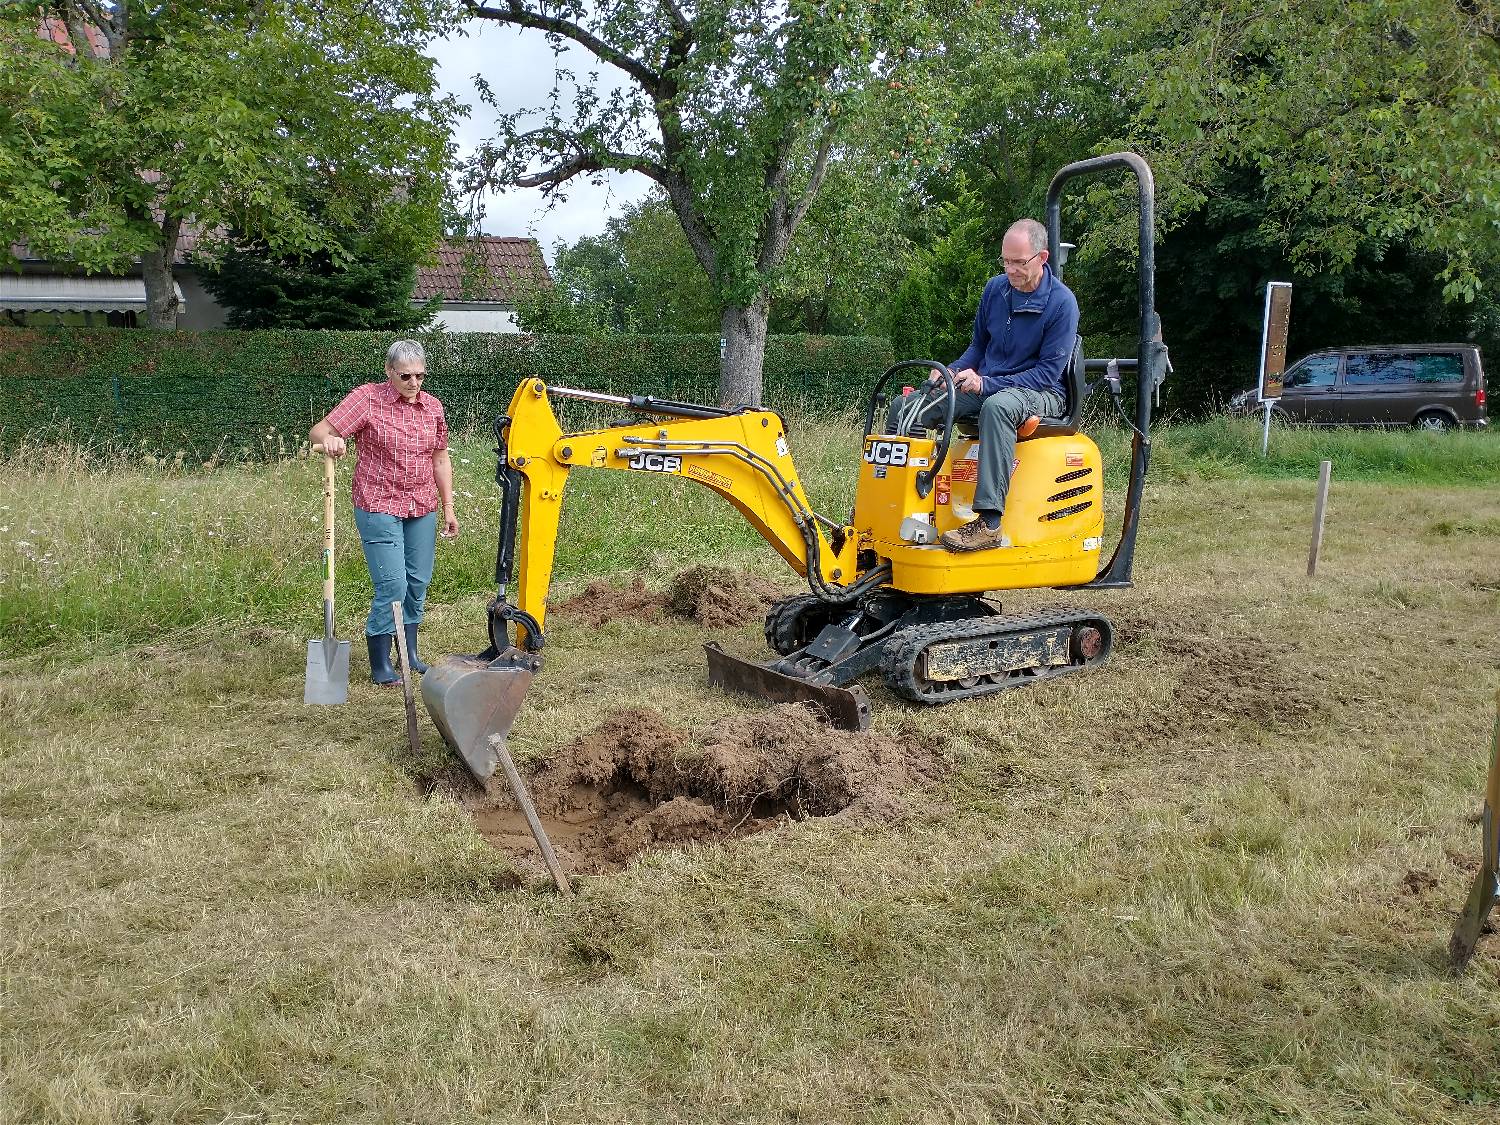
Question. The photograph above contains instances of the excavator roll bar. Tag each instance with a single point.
(1151, 356)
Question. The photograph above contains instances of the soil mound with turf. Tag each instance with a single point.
(718, 597)
(714, 596)
(636, 784)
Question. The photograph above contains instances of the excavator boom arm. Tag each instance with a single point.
(741, 455)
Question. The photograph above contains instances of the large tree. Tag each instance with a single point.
(143, 120)
(736, 108)
(1365, 121)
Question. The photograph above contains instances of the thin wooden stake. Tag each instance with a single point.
(528, 810)
(1325, 470)
(412, 736)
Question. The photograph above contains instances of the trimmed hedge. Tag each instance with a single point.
(253, 394)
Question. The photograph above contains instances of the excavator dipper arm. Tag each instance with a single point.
(742, 455)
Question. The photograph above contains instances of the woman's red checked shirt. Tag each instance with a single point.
(396, 440)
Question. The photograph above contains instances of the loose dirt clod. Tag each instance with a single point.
(717, 596)
(603, 601)
(714, 596)
(636, 784)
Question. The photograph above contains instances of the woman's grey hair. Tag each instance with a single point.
(1035, 233)
(404, 351)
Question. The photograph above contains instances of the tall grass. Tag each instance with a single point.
(104, 549)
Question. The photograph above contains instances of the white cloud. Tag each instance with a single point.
(519, 66)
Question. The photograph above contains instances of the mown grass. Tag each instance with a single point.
(1212, 882)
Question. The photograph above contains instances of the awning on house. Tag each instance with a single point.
(38, 293)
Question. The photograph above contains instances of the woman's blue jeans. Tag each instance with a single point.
(399, 554)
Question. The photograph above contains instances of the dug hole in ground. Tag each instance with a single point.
(638, 783)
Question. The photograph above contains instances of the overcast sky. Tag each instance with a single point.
(518, 66)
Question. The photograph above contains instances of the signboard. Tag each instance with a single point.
(1273, 339)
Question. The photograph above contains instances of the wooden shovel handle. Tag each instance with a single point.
(327, 523)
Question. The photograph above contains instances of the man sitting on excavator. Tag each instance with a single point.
(1013, 369)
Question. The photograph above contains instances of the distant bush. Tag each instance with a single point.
(245, 394)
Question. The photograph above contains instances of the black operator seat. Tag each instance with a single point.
(1073, 388)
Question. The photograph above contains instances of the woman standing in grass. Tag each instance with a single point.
(401, 474)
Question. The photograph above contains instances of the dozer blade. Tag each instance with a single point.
(472, 700)
(846, 708)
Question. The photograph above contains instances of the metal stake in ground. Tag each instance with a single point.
(412, 737)
(1325, 470)
(528, 810)
(1487, 884)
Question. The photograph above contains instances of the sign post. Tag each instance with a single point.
(1273, 351)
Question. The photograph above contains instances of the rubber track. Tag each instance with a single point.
(904, 650)
(782, 621)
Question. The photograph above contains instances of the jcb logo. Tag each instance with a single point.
(886, 453)
(657, 462)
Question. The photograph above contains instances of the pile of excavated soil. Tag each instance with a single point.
(718, 597)
(603, 601)
(636, 784)
(714, 596)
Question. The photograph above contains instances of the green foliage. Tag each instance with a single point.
(640, 276)
(736, 108)
(932, 311)
(1366, 120)
(1211, 277)
(367, 286)
(226, 115)
(235, 395)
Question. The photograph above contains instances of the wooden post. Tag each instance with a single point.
(412, 737)
(1325, 470)
(528, 810)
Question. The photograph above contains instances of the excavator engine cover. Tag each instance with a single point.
(472, 700)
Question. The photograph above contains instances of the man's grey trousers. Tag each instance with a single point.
(999, 416)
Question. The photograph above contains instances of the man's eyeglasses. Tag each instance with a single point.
(408, 376)
(1013, 264)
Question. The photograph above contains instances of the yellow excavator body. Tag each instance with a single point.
(883, 593)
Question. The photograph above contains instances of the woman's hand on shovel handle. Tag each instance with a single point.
(334, 446)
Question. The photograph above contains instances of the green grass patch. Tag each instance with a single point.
(1211, 882)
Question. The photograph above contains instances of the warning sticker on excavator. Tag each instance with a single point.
(966, 470)
(781, 449)
(1073, 460)
(714, 480)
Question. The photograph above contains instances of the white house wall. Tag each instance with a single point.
(476, 320)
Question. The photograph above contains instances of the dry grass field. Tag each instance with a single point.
(1211, 882)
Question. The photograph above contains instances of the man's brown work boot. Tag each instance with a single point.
(975, 536)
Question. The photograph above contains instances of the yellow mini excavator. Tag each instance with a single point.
(882, 592)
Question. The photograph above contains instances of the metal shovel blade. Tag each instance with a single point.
(327, 673)
(845, 708)
(472, 700)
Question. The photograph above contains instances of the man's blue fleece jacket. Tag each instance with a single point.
(1022, 339)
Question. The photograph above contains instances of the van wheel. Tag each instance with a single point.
(1432, 420)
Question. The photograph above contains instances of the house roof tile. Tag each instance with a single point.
(495, 269)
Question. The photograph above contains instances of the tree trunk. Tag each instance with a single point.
(156, 271)
(743, 328)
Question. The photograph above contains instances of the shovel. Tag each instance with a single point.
(327, 659)
(1487, 884)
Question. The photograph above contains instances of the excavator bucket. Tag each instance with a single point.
(472, 700)
(847, 708)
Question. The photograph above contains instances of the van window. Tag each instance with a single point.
(1385, 369)
(1317, 371)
